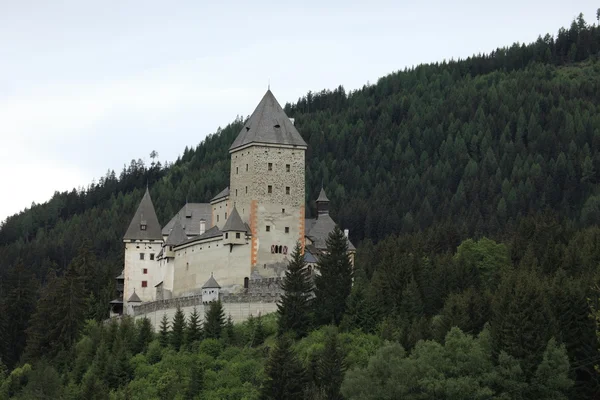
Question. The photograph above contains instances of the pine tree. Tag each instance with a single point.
(196, 382)
(144, 336)
(333, 282)
(286, 378)
(331, 367)
(229, 331)
(258, 334)
(164, 331)
(214, 320)
(194, 331)
(178, 329)
(294, 307)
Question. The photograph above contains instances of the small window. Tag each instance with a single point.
(236, 170)
(143, 227)
(287, 190)
(283, 210)
(246, 189)
(246, 167)
(269, 189)
(225, 215)
(270, 166)
(217, 217)
(144, 283)
(152, 256)
(145, 271)
(237, 235)
(246, 281)
(142, 256)
(268, 228)
(226, 235)
(287, 229)
(287, 167)
(236, 192)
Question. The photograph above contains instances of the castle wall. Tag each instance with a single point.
(134, 269)
(220, 212)
(195, 263)
(279, 209)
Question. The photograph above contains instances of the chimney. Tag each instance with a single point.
(292, 121)
(202, 226)
(346, 232)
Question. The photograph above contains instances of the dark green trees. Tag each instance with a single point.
(214, 320)
(294, 308)
(144, 336)
(333, 282)
(193, 332)
(178, 329)
(164, 331)
(286, 378)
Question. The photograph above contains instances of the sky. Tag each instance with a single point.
(85, 87)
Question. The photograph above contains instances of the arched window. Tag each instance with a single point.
(279, 249)
(246, 281)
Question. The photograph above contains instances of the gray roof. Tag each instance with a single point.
(145, 215)
(318, 230)
(268, 124)
(309, 257)
(177, 234)
(134, 298)
(234, 222)
(189, 217)
(211, 233)
(122, 276)
(322, 196)
(211, 283)
(222, 193)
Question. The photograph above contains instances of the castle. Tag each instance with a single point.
(243, 237)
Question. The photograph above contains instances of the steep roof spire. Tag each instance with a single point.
(322, 203)
(144, 225)
(268, 124)
(211, 283)
(134, 298)
(234, 222)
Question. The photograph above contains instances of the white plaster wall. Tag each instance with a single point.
(220, 212)
(195, 263)
(239, 312)
(134, 269)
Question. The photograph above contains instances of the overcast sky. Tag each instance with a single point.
(86, 86)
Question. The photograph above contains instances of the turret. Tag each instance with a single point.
(210, 290)
(134, 300)
(234, 230)
(322, 203)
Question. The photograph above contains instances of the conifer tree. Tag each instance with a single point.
(286, 378)
(229, 331)
(258, 334)
(214, 320)
(144, 336)
(294, 308)
(196, 382)
(331, 367)
(194, 330)
(178, 329)
(164, 331)
(333, 282)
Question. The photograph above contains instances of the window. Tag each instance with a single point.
(269, 189)
(144, 283)
(236, 192)
(287, 190)
(145, 271)
(237, 235)
(246, 281)
(283, 210)
(217, 217)
(270, 166)
(236, 170)
(226, 235)
(287, 167)
(141, 256)
(268, 228)
(246, 189)
(287, 229)
(246, 167)
(152, 256)
(225, 215)
(143, 227)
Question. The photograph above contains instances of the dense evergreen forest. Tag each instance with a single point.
(473, 190)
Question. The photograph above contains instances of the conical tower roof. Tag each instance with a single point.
(134, 298)
(322, 197)
(234, 222)
(144, 225)
(268, 124)
(177, 234)
(211, 283)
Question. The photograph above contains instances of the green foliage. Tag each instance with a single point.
(294, 307)
(286, 378)
(145, 335)
(333, 282)
(214, 320)
(164, 331)
(178, 329)
(193, 331)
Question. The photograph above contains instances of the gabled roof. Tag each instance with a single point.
(234, 222)
(177, 235)
(322, 197)
(134, 298)
(211, 283)
(318, 231)
(144, 216)
(189, 217)
(211, 233)
(268, 124)
(222, 193)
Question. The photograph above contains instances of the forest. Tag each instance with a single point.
(472, 190)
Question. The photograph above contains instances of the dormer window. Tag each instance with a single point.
(143, 227)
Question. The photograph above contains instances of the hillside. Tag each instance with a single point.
(504, 145)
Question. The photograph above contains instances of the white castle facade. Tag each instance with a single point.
(237, 246)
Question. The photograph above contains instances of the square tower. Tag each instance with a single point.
(267, 185)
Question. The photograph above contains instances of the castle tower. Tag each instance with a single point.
(267, 184)
(143, 241)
